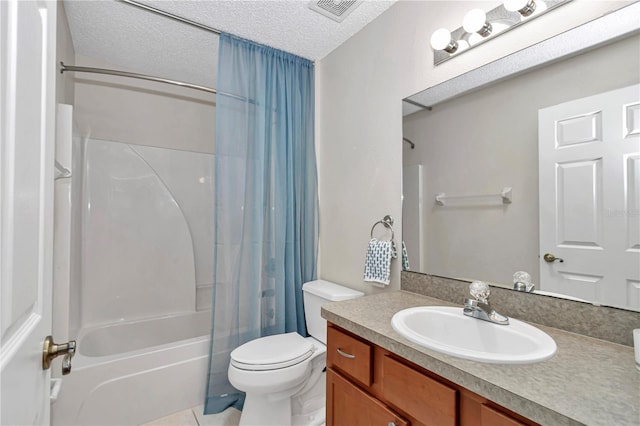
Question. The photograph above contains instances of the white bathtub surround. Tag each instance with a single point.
(62, 223)
(144, 241)
(116, 382)
(138, 251)
(189, 178)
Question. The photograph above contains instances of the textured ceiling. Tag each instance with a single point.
(144, 42)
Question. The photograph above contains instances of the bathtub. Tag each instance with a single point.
(131, 373)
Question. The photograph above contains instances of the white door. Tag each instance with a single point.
(589, 165)
(27, 80)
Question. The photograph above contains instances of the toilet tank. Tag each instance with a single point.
(315, 294)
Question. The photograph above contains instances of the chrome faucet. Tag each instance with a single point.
(479, 307)
(522, 282)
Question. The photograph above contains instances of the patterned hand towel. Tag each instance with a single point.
(405, 257)
(377, 265)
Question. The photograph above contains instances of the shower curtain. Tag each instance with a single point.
(266, 205)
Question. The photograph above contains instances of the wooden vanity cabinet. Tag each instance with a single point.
(367, 385)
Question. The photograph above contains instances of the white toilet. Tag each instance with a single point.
(283, 375)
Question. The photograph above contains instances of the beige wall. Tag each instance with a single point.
(142, 112)
(483, 141)
(359, 138)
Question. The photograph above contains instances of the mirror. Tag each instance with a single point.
(478, 152)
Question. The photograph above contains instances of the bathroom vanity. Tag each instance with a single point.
(368, 385)
(378, 377)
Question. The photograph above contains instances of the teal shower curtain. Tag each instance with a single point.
(266, 203)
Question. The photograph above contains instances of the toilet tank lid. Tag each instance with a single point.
(330, 291)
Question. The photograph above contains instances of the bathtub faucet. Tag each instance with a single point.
(51, 350)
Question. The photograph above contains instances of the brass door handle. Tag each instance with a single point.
(548, 257)
(50, 350)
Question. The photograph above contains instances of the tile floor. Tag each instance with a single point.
(194, 417)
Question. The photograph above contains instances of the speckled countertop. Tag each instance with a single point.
(588, 381)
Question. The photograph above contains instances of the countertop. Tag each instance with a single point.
(588, 381)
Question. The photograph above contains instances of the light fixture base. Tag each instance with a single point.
(497, 16)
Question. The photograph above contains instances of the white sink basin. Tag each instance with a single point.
(448, 330)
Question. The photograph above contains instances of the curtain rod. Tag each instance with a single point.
(72, 68)
(176, 18)
(172, 16)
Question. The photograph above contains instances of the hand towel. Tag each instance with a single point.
(377, 265)
(405, 257)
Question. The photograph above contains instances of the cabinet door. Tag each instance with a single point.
(425, 399)
(489, 416)
(348, 405)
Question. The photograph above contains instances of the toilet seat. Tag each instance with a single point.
(272, 352)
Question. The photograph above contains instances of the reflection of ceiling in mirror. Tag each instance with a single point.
(486, 140)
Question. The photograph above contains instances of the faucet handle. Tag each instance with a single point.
(522, 281)
(480, 290)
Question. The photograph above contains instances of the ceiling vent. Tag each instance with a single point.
(334, 9)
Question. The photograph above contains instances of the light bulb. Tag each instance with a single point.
(463, 44)
(475, 21)
(524, 7)
(441, 40)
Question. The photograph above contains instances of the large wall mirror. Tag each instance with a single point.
(546, 161)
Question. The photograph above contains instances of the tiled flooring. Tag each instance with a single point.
(194, 417)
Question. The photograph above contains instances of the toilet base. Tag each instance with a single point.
(259, 410)
(306, 409)
(309, 408)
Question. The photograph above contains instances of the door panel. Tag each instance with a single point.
(579, 198)
(632, 195)
(27, 70)
(589, 171)
(582, 129)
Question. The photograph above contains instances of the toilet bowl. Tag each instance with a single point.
(283, 375)
(292, 366)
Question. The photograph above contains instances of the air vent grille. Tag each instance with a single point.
(337, 10)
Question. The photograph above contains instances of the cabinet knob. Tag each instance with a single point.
(392, 424)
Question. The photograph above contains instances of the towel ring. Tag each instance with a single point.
(387, 221)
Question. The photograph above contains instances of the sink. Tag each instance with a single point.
(447, 330)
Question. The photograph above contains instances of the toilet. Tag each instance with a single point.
(283, 375)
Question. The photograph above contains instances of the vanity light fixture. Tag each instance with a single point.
(478, 26)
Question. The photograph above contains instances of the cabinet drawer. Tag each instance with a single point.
(421, 397)
(349, 355)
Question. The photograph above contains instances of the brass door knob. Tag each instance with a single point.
(548, 257)
(50, 350)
